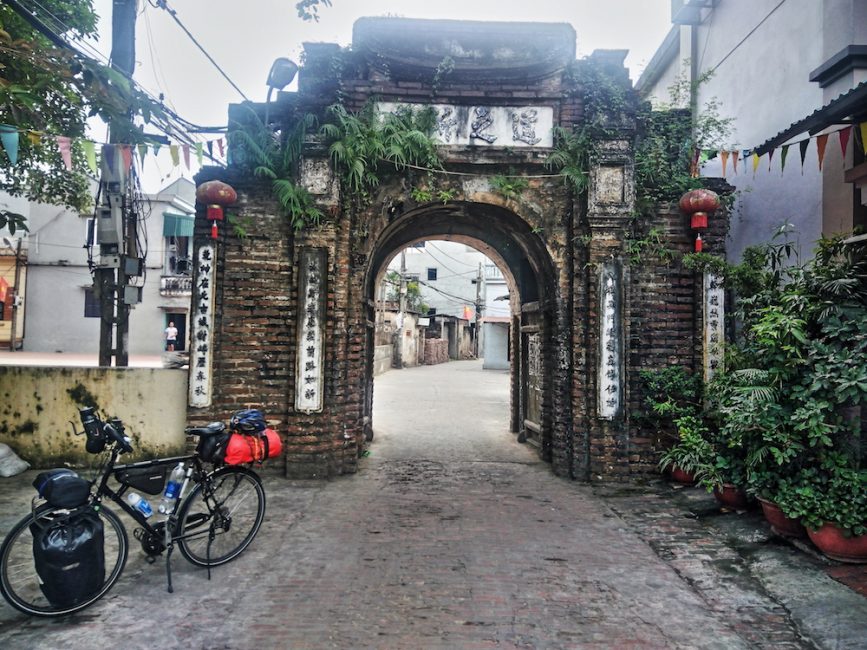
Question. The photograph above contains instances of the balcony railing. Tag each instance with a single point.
(493, 272)
(174, 285)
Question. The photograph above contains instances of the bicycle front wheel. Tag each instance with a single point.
(221, 516)
(20, 582)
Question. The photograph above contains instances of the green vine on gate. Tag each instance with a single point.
(275, 157)
(364, 147)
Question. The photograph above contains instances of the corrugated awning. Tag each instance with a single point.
(177, 225)
(850, 107)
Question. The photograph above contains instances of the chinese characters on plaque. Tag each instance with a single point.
(201, 325)
(714, 325)
(609, 344)
(309, 357)
(501, 126)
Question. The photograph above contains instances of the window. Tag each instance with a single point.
(432, 274)
(178, 255)
(91, 304)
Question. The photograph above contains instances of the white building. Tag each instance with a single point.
(59, 312)
(458, 280)
(496, 320)
(784, 72)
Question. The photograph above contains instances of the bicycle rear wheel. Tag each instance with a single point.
(20, 583)
(221, 516)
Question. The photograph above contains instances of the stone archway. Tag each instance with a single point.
(281, 317)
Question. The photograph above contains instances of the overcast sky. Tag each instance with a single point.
(245, 36)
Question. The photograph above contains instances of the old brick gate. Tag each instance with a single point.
(282, 320)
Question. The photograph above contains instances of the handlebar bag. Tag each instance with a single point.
(69, 557)
(62, 488)
(151, 480)
(243, 448)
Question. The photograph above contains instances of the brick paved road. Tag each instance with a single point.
(454, 536)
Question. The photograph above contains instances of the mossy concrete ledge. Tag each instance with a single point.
(38, 403)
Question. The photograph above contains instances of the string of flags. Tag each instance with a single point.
(10, 138)
(736, 156)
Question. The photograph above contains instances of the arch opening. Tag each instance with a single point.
(527, 270)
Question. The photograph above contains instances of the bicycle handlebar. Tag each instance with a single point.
(99, 432)
(122, 441)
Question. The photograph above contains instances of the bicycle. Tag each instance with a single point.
(211, 525)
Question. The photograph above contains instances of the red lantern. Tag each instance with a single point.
(216, 195)
(698, 204)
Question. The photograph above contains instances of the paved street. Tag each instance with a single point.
(455, 536)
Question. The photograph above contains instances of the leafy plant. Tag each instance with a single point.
(669, 393)
(802, 369)
(650, 244)
(510, 186)
(693, 452)
(446, 195)
(671, 137)
(571, 157)
(275, 157)
(421, 194)
(366, 145)
(47, 91)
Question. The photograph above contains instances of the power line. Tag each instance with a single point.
(440, 250)
(171, 124)
(162, 4)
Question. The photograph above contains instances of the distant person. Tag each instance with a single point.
(171, 337)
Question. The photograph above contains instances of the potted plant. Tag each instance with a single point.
(670, 394)
(693, 455)
(831, 501)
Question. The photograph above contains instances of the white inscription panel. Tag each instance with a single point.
(202, 321)
(610, 383)
(714, 325)
(484, 125)
(309, 357)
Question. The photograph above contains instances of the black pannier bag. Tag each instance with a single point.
(147, 479)
(62, 488)
(69, 557)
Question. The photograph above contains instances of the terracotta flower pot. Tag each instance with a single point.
(680, 476)
(780, 523)
(833, 543)
(731, 496)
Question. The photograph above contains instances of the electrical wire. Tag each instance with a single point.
(749, 33)
(440, 250)
(162, 4)
(171, 124)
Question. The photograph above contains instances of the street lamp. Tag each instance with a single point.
(280, 75)
(17, 252)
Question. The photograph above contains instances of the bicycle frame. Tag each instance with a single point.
(169, 524)
(104, 490)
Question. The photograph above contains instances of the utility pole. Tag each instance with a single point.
(398, 335)
(478, 307)
(16, 300)
(115, 233)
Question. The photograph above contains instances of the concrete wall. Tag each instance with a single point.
(496, 350)
(382, 356)
(39, 402)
